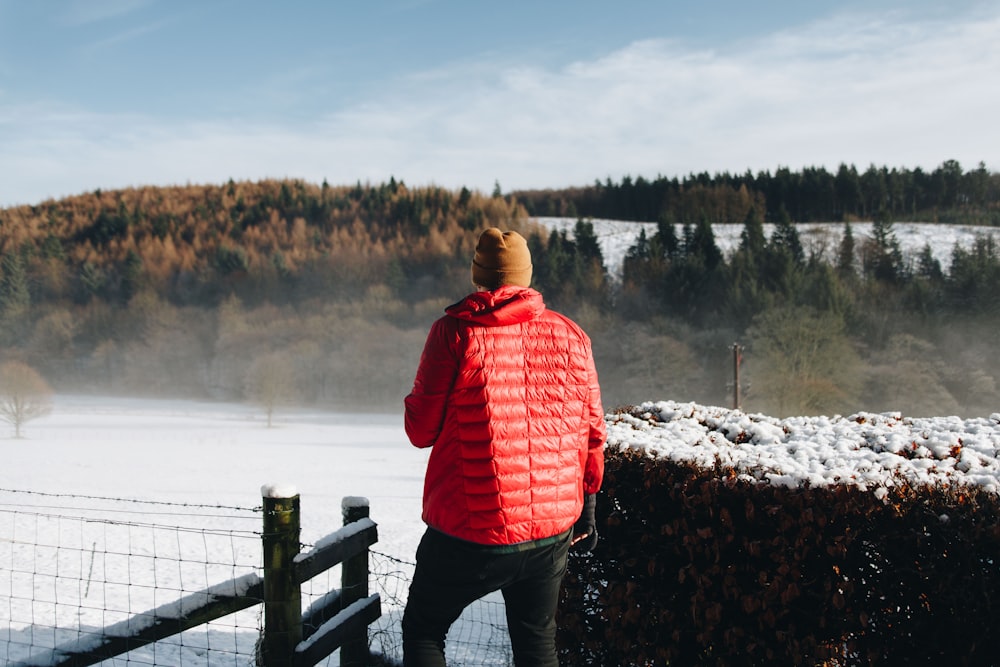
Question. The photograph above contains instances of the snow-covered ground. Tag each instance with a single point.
(66, 562)
(616, 236)
(73, 556)
(75, 552)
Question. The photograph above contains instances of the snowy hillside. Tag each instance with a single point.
(616, 236)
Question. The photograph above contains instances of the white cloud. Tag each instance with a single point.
(854, 90)
(851, 89)
(81, 12)
(129, 35)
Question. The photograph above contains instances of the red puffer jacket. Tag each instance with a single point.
(506, 394)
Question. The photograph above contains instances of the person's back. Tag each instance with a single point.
(506, 393)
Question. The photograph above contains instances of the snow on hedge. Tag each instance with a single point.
(868, 450)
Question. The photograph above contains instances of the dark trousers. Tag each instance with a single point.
(451, 574)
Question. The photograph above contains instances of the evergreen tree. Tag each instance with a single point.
(884, 258)
(590, 275)
(785, 238)
(588, 248)
(781, 272)
(925, 289)
(752, 238)
(702, 246)
(746, 294)
(15, 296)
(554, 267)
(693, 285)
(665, 244)
(927, 265)
(15, 299)
(636, 261)
(973, 283)
(845, 254)
(131, 275)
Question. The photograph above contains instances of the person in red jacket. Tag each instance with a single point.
(507, 398)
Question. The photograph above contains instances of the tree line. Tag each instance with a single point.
(197, 289)
(862, 327)
(946, 194)
(285, 290)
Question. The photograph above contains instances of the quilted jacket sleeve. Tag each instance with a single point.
(425, 405)
(593, 474)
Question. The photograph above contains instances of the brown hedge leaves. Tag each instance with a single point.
(696, 568)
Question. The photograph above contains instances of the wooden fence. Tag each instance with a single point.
(290, 637)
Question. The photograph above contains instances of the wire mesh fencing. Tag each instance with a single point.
(73, 565)
(479, 637)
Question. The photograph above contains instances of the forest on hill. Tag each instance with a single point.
(286, 291)
(946, 194)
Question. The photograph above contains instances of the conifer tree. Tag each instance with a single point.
(884, 258)
(846, 267)
(15, 297)
(746, 295)
(702, 245)
(785, 238)
(665, 244)
(752, 239)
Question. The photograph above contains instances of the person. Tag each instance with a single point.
(506, 396)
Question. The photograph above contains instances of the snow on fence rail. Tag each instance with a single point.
(71, 565)
(83, 578)
(70, 605)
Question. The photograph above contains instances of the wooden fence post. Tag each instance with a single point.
(354, 585)
(282, 596)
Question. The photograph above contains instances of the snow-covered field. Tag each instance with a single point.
(116, 558)
(67, 562)
(616, 236)
(76, 552)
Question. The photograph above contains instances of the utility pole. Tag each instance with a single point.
(737, 358)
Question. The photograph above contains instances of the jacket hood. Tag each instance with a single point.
(508, 304)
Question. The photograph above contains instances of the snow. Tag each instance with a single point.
(339, 618)
(206, 454)
(278, 491)
(866, 450)
(338, 536)
(616, 236)
(218, 455)
(112, 563)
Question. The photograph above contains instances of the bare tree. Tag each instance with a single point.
(24, 394)
(801, 362)
(270, 382)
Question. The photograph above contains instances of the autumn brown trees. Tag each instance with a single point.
(183, 289)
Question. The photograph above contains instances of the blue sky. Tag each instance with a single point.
(118, 93)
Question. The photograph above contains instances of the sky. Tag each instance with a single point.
(120, 93)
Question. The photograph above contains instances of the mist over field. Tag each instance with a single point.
(289, 293)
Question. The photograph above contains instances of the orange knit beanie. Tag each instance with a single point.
(502, 258)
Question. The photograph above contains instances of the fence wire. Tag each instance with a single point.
(71, 565)
(479, 637)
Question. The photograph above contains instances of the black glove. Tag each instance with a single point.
(586, 526)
